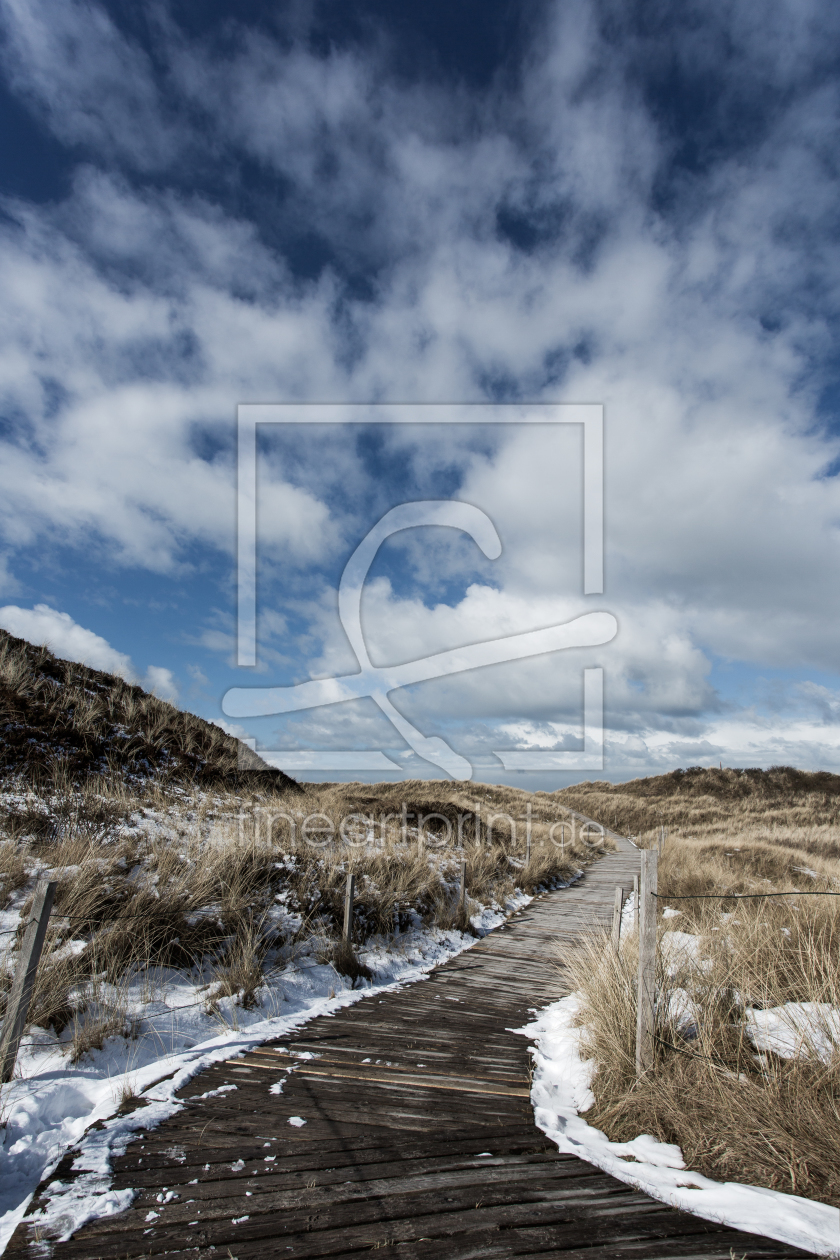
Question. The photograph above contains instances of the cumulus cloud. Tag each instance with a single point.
(161, 682)
(63, 636)
(72, 642)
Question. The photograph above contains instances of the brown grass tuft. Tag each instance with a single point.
(347, 963)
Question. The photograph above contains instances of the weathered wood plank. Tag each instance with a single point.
(371, 1225)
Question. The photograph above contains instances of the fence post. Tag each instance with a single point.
(17, 1007)
(348, 908)
(636, 904)
(616, 920)
(646, 988)
(462, 891)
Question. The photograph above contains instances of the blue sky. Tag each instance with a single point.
(208, 204)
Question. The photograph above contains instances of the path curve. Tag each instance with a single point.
(419, 1135)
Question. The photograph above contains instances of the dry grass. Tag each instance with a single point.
(782, 806)
(226, 885)
(241, 973)
(347, 963)
(773, 1124)
(100, 1014)
(737, 1114)
(13, 873)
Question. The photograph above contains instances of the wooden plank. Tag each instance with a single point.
(17, 1006)
(354, 1201)
(361, 1057)
(325, 1065)
(353, 1151)
(616, 921)
(366, 1166)
(420, 1082)
(312, 1232)
(646, 984)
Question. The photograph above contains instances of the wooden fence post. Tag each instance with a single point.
(462, 891)
(348, 908)
(616, 920)
(17, 1007)
(646, 988)
(636, 904)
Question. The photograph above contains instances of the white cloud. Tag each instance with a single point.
(232, 728)
(93, 85)
(9, 585)
(118, 458)
(70, 641)
(65, 638)
(161, 682)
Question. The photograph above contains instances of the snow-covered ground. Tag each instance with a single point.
(561, 1091)
(51, 1104)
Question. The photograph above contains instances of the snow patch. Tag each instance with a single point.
(806, 1029)
(561, 1091)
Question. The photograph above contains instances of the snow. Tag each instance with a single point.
(51, 1104)
(803, 1029)
(628, 914)
(678, 949)
(561, 1091)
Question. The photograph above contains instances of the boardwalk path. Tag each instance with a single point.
(419, 1136)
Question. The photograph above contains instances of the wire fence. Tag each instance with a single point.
(789, 892)
(692, 1054)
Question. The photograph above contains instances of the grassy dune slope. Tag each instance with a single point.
(780, 806)
(60, 719)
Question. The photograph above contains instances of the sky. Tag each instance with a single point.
(207, 204)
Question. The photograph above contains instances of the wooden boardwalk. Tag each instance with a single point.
(419, 1137)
